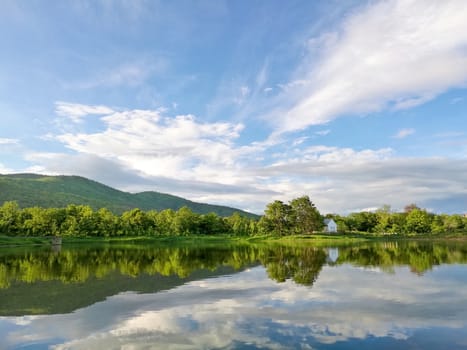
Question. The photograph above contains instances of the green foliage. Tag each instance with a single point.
(364, 221)
(30, 190)
(300, 216)
(240, 225)
(9, 217)
(276, 219)
(83, 221)
(412, 220)
(135, 222)
(185, 222)
(418, 221)
(304, 216)
(453, 223)
(301, 264)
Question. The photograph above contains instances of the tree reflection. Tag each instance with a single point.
(301, 264)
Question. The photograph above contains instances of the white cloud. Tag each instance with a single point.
(149, 143)
(323, 132)
(299, 141)
(403, 133)
(146, 150)
(293, 84)
(343, 180)
(395, 54)
(75, 111)
(8, 141)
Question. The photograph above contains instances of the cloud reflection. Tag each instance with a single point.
(248, 309)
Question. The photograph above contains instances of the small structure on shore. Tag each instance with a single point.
(56, 240)
(330, 226)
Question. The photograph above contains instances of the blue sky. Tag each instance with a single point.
(356, 104)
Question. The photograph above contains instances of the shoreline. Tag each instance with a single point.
(315, 239)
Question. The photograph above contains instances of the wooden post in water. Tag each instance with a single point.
(56, 240)
(56, 244)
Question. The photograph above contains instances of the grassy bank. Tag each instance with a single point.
(6, 241)
(315, 239)
(23, 241)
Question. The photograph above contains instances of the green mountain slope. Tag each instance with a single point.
(31, 190)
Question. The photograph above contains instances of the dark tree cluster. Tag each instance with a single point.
(299, 216)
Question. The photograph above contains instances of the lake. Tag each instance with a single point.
(393, 295)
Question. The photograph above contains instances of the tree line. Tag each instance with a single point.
(297, 217)
(412, 220)
(83, 221)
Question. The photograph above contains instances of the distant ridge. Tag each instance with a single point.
(31, 190)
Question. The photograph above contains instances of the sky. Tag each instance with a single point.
(357, 104)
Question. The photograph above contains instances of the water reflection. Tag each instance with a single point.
(301, 264)
(385, 297)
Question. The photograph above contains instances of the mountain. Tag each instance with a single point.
(31, 190)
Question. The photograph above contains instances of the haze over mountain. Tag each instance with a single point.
(31, 190)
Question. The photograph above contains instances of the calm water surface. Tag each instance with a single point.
(394, 295)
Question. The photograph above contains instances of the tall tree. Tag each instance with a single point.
(364, 221)
(418, 221)
(185, 222)
(9, 215)
(305, 217)
(276, 219)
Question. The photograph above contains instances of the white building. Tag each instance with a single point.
(330, 225)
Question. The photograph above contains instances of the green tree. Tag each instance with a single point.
(9, 218)
(437, 224)
(55, 217)
(304, 216)
(165, 222)
(185, 222)
(418, 221)
(36, 222)
(106, 222)
(276, 219)
(383, 217)
(398, 223)
(212, 224)
(453, 223)
(239, 225)
(86, 223)
(363, 221)
(135, 222)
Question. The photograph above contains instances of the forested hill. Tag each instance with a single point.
(31, 190)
